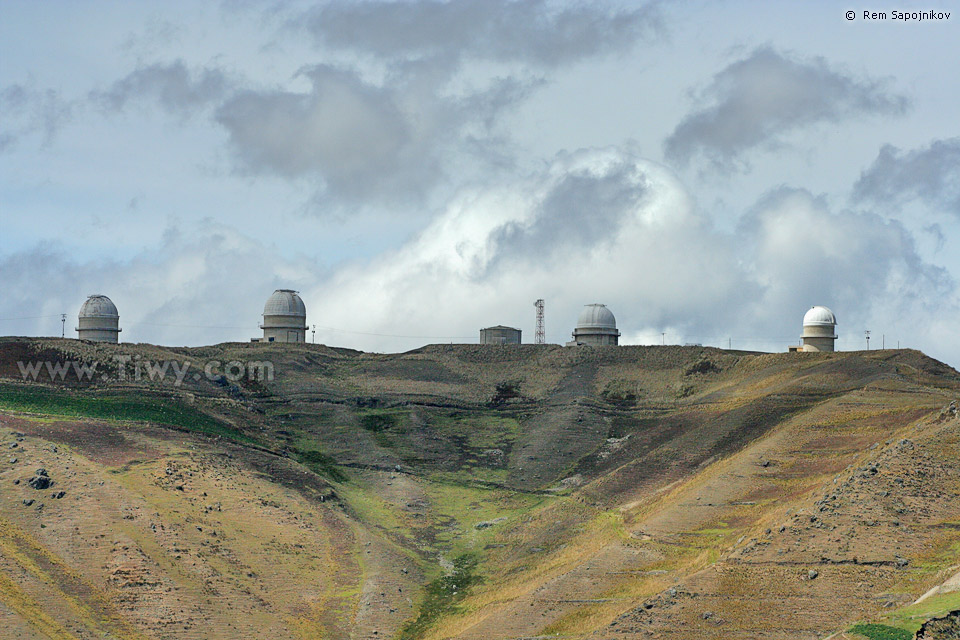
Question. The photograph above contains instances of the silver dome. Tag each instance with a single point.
(596, 316)
(98, 306)
(285, 302)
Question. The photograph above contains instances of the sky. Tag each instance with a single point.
(421, 169)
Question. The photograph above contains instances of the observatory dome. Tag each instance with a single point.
(284, 317)
(596, 316)
(596, 327)
(98, 306)
(284, 302)
(819, 326)
(819, 317)
(99, 320)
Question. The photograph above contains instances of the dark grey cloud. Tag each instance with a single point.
(582, 209)
(757, 100)
(30, 111)
(930, 174)
(364, 141)
(430, 113)
(173, 86)
(534, 31)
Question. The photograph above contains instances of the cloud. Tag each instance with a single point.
(930, 174)
(858, 263)
(365, 142)
(533, 32)
(349, 132)
(173, 86)
(758, 100)
(29, 111)
(407, 102)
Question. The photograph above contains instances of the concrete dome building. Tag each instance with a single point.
(99, 320)
(596, 327)
(819, 329)
(284, 317)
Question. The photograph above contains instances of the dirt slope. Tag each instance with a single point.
(609, 492)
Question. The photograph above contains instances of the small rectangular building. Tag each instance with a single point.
(499, 335)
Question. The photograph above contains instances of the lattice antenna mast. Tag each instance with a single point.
(541, 336)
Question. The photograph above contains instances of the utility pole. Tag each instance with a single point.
(541, 335)
(663, 338)
(867, 333)
(883, 341)
(63, 325)
(314, 332)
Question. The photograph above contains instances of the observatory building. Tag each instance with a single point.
(596, 327)
(499, 335)
(284, 318)
(99, 320)
(819, 330)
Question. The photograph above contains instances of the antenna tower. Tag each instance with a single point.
(541, 337)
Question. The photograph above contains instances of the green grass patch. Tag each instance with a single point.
(914, 615)
(442, 596)
(881, 632)
(321, 464)
(480, 430)
(369, 508)
(139, 408)
(380, 420)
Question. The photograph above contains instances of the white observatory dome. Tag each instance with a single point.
(819, 317)
(596, 316)
(98, 306)
(284, 302)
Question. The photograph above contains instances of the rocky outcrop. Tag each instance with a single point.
(945, 628)
(41, 480)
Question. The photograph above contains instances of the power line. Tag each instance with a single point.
(183, 326)
(391, 335)
(57, 315)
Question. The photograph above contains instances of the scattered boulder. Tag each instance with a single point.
(59, 494)
(812, 574)
(493, 457)
(28, 502)
(41, 480)
(489, 523)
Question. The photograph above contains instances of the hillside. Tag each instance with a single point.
(475, 492)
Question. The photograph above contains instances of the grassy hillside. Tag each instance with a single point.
(476, 492)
